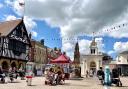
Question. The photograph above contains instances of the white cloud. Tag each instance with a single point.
(29, 23)
(8, 2)
(120, 30)
(68, 47)
(18, 9)
(111, 52)
(84, 46)
(10, 17)
(120, 46)
(100, 44)
(78, 17)
(34, 34)
(1, 5)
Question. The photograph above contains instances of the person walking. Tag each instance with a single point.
(14, 70)
(1, 72)
(91, 73)
(100, 75)
(87, 73)
(21, 73)
(2, 75)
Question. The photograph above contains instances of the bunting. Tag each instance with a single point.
(115, 28)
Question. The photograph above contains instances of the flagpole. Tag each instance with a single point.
(22, 4)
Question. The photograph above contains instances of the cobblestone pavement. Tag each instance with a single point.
(86, 83)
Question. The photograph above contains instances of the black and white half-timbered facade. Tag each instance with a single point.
(14, 44)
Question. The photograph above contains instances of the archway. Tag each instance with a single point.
(13, 65)
(93, 66)
(5, 65)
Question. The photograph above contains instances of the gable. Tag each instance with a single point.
(20, 33)
(8, 26)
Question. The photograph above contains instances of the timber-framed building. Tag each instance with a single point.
(14, 44)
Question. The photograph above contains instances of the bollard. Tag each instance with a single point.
(29, 80)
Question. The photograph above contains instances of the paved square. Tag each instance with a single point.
(86, 83)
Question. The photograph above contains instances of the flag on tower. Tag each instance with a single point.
(21, 3)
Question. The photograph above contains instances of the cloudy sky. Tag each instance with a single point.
(64, 22)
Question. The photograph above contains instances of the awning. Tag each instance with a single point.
(61, 59)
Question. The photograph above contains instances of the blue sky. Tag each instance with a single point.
(59, 27)
(47, 33)
(43, 29)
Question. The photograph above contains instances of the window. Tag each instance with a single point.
(92, 51)
(18, 47)
(19, 32)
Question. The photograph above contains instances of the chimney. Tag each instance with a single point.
(42, 42)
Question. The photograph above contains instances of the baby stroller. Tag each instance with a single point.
(116, 81)
(115, 78)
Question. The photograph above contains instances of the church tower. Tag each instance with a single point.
(77, 54)
(93, 47)
(77, 61)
